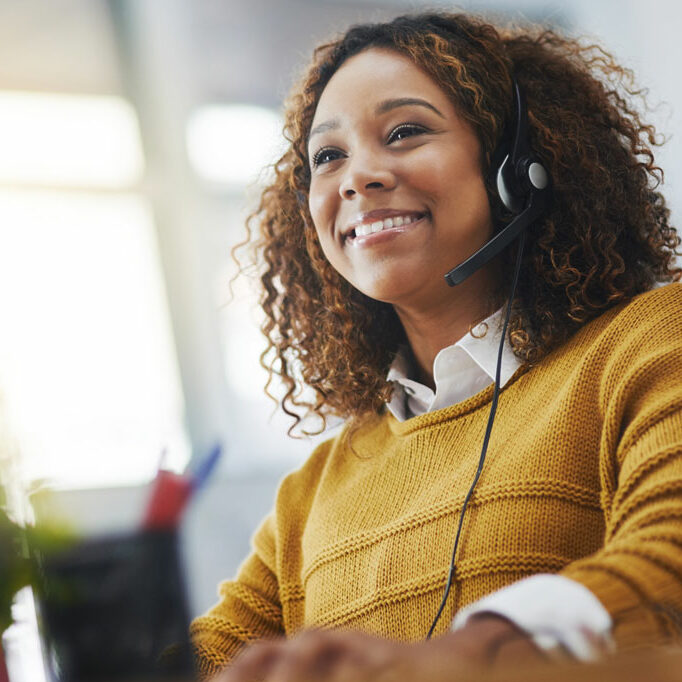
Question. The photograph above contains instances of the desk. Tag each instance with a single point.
(650, 666)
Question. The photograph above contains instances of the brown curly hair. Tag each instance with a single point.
(605, 238)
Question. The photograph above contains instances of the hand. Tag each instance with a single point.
(342, 656)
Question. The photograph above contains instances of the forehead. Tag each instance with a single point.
(373, 76)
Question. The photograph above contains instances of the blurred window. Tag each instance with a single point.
(87, 360)
(231, 144)
(232, 148)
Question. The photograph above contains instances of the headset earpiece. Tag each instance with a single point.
(529, 174)
(537, 175)
(507, 197)
(520, 172)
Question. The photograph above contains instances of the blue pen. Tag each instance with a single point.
(205, 467)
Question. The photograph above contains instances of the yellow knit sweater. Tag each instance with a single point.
(583, 477)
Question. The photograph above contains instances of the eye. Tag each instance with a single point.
(325, 155)
(405, 130)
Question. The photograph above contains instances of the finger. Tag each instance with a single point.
(368, 658)
(369, 649)
(327, 655)
(256, 662)
(311, 656)
(601, 645)
(517, 651)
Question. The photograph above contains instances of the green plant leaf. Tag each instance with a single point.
(18, 567)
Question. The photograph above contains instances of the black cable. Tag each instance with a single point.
(488, 431)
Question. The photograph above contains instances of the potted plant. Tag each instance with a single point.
(15, 573)
(18, 568)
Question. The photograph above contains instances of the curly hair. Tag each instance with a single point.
(605, 238)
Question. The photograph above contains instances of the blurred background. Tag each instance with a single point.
(133, 136)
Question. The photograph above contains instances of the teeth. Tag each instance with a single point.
(369, 228)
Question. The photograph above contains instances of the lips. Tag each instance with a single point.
(379, 220)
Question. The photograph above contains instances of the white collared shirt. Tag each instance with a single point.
(559, 614)
(459, 371)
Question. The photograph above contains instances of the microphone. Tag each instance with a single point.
(537, 204)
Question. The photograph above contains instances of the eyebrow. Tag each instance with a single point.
(390, 104)
(323, 127)
(382, 108)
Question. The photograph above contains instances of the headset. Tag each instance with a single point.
(523, 186)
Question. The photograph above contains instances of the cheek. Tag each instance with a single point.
(315, 206)
(323, 208)
(326, 244)
(447, 175)
(457, 188)
(427, 174)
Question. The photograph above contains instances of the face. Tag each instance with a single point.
(396, 194)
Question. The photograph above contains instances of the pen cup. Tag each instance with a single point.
(115, 609)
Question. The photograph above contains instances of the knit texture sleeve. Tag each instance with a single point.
(249, 608)
(637, 575)
(264, 600)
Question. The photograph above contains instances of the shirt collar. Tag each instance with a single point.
(459, 371)
(482, 344)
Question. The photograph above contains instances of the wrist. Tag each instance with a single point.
(496, 632)
(492, 623)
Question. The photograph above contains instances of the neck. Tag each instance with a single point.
(430, 329)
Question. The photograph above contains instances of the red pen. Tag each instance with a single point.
(169, 494)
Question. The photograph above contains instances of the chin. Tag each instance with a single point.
(391, 292)
(397, 284)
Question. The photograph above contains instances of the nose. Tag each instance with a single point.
(366, 174)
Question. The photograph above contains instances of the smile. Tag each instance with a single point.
(367, 228)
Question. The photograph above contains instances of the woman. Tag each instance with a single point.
(571, 541)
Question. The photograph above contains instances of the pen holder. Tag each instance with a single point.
(114, 608)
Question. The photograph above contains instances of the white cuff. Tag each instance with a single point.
(559, 614)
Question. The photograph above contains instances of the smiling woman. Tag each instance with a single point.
(380, 156)
(412, 145)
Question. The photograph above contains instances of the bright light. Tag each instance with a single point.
(232, 144)
(87, 364)
(68, 140)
